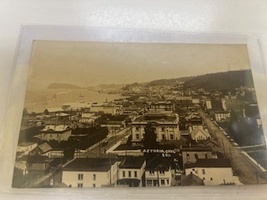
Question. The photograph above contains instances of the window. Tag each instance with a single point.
(80, 185)
(93, 185)
(206, 156)
(149, 182)
(196, 156)
(94, 177)
(203, 178)
(162, 182)
(151, 172)
(137, 136)
(129, 173)
(135, 173)
(123, 173)
(163, 137)
(211, 179)
(80, 176)
(168, 182)
(162, 172)
(203, 171)
(155, 182)
(137, 128)
(162, 129)
(171, 136)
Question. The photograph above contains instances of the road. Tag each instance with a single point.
(100, 149)
(248, 172)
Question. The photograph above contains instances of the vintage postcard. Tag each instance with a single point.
(101, 114)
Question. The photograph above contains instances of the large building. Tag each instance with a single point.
(90, 172)
(166, 126)
(213, 171)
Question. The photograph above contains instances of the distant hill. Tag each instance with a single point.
(63, 86)
(215, 81)
(168, 81)
(221, 80)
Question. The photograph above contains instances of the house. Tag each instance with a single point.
(43, 149)
(199, 134)
(90, 172)
(132, 171)
(56, 132)
(166, 126)
(26, 147)
(192, 153)
(38, 163)
(158, 172)
(213, 171)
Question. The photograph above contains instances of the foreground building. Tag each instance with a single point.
(213, 171)
(131, 171)
(90, 172)
(158, 172)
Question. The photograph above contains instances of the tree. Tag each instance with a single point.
(150, 136)
(69, 153)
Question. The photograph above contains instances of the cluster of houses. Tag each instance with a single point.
(187, 153)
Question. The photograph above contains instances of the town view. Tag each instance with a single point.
(102, 114)
(199, 130)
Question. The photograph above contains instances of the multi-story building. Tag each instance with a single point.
(90, 172)
(158, 172)
(212, 171)
(166, 126)
(131, 171)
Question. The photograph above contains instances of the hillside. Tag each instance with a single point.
(221, 80)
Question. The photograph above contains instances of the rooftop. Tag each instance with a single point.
(90, 164)
(157, 117)
(158, 163)
(131, 162)
(55, 128)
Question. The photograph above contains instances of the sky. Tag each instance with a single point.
(92, 63)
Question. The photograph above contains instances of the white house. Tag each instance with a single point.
(158, 172)
(131, 171)
(166, 126)
(199, 134)
(213, 171)
(90, 172)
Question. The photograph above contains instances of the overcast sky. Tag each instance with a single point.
(88, 64)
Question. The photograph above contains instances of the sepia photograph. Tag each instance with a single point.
(117, 114)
